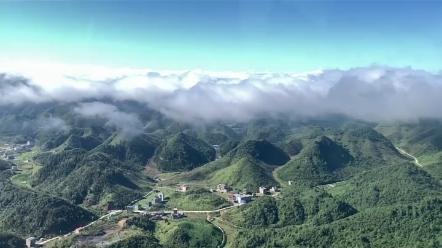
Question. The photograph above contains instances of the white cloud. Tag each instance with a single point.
(374, 93)
(128, 123)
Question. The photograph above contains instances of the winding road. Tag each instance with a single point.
(411, 156)
(223, 241)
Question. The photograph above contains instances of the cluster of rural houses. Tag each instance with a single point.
(157, 199)
(245, 196)
(8, 152)
(159, 215)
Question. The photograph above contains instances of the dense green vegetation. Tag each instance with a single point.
(413, 225)
(196, 199)
(182, 153)
(189, 234)
(377, 208)
(27, 213)
(422, 139)
(8, 240)
(390, 185)
(310, 207)
(351, 186)
(90, 177)
(142, 241)
(5, 165)
(142, 222)
(335, 155)
(249, 166)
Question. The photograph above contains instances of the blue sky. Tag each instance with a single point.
(224, 35)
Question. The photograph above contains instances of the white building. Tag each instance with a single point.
(184, 188)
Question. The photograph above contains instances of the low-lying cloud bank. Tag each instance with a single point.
(375, 93)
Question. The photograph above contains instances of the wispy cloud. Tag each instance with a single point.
(52, 124)
(128, 123)
(375, 93)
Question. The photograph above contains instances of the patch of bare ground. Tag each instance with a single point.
(151, 169)
(122, 223)
(111, 234)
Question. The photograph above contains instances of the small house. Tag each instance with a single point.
(161, 196)
(262, 190)
(232, 197)
(138, 207)
(14, 168)
(78, 230)
(273, 189)
(30, 242)
(184, 188)
(242, 199)
(176, 215)
(222, 187)
(237, 197)
(290, 182)
(156, 200)
(130, 209)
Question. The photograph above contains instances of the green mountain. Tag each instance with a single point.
(107, 173)
(422, 139)
(196, 199)
(319, 163)
(182, 153)
(249, 166)
(412, 225)
(312, 207)
(328, 156)
(272, 130)
(246, 173)
(28, 213)
(397, 205)
(390, 185)
(368, 146)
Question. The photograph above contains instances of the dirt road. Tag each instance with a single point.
(411, 156)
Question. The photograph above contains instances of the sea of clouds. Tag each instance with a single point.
(376, 93)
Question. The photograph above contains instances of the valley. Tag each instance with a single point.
(265, 183)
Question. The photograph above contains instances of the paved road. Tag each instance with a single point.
(93, 222)
(185, 211)
(223, 242)
(411, 156)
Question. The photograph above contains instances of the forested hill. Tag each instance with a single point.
(28, 213)
(349, 184)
